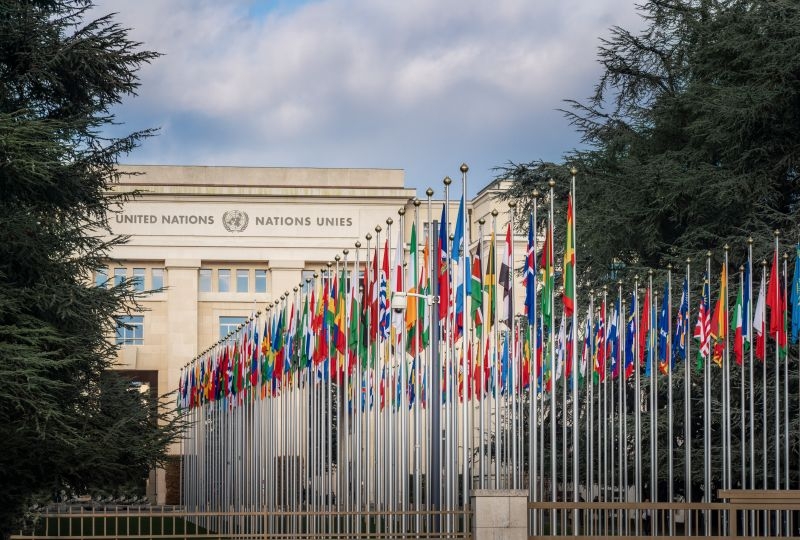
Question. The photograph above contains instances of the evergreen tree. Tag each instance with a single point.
(66, 421)
(690, 135)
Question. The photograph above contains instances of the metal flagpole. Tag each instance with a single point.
(785, 378)
(669, 358)
(687, 387)
(764, 386)
(777, 443)
(417, 353)
(533, 409)
(637, 404)
(495, 371)
(623, 405)
(652, 401)
(431, 397)
(465, 275)
(553, 381)
(726, 381)
(511, 392)
(481, 386)
(575, 421)
(751, 338)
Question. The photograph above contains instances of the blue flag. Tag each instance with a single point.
(663, 322)
(458, 234)
(630, 339)
(682, 324)
(530, 274)
(613, 341)
(795, 298)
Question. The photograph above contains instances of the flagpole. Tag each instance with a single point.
(637, 402)
(707, 402)
(466, 274)
(533, 409)
(431, 398)
(481, 390)
(670, 364)
(417, 358)
(687, 419)
(575, 444)
(402, 374)
(495, 382)
(751, 338)
(376, 382)
(652, 401)
(785, 375)
(726, 383)
(742, 384)
(512, 391)
(622, 376)
(553, 380)
(764, 384)
(777, 305)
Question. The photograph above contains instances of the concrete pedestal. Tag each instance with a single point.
(500, 514)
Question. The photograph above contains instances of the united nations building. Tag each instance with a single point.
(221, 242)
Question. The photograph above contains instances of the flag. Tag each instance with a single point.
(398, 321)
(504, 365)
(561, 346)
(795, 296)
(600, 346)
(736, 323)
(530, 274)
(720, 318)
(760, 322)
(412, 279)
(612, 342)
(644, 331)
(774, 301)
(458, 235)
(702, 330)
(587, 354)
(384, 313)
(682, 323)
(569, 263)
(747, 308)
(476, 293)
(444, 270)
(549, 277)
(490, 285)
(630, 339)
(663, 321)
(506, 266)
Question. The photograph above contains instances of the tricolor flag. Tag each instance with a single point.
(719, 320)
(736, 323)
(760, 322)
(569, 263)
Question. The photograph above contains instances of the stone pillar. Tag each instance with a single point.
(182, 276)
(500, 514)
(285, 276)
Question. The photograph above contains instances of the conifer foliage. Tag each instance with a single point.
(66, 421)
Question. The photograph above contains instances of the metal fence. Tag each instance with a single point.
(102, 524)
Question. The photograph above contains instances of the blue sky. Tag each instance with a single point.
(416, 85)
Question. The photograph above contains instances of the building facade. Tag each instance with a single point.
(218, 243)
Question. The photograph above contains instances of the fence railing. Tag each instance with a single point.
(662, 520)
(177, 524)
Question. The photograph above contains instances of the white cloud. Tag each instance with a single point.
(363, 83)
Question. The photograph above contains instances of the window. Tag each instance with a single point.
(157, 278)
(101, 277)
(307, 274)
(224, 280)
(130, 330)
(242, 279)
(261, 281)
(138, 279)
(205, 280)
(119, 276)
(229, 324)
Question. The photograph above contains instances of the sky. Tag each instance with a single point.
(418, 85)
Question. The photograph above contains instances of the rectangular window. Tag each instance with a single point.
(130, 330)
(229, 324)
(157, 278)
(101, 277)
(307, 274)
(261, 281)
(119, 276)
(205, 280)
(138, 279)
(242, 280)
(223, 280)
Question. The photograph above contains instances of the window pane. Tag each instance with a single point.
(157, 278)
(224, 280)
(307, 274)
(242, 278)
(205, 280)
(229, 324)
(261, 281)
(130, 330)
(119, 275)
(100, 277)
(138, 279)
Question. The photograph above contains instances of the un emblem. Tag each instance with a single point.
(235, 220)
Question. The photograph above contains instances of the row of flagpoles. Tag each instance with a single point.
(330, 399)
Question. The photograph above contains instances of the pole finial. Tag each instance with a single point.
(481, 221)
(512, 204)
(401, 211)
(447, 181)
(378, 228)
(368, 237)
(358, 244)
(551, 183)
(389, 221)
(345, 251)
(464, 168)
(573, 170)
(429, 192)
(494, 213)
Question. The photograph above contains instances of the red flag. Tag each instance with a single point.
(774, 301)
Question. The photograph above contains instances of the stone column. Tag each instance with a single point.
(500, 514)
(182, 291)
